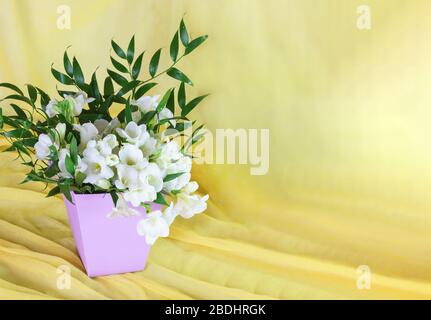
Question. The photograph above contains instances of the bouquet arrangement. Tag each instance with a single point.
(77, 144)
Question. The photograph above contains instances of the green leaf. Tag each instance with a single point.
(61, 77)
(29, 142)
(108, 87)
(77, 74)
(172, 176)
(1, 118)
(32, 93)
(106, 105)
(114, 197)
(136, 69)
(148, 117)
(173, 50)
(62, 93)
(118, 50)
(11, 122)
(119, 99)
(144, 89)
(197, 129)
(94, 90)
(53, 153)
(171, 102)
(53, 191)
(180, 127)
(17, 97)
(19, 112)
(28, 163)
(70, 167)
(18, 133)
(184, 34)
(197, 138)
(194, 44)
(119, 66)
(131, 50)
(129, 86)
(160, 199)
(191, 105)
(164, 100)
(117, 78)
(91, 117)
(20, 147)
(67, 64)
(74, 150)
(51, 171)
(79, 178)
(44, 98)
(166, 120)
(128, 112)
(65, 189)
(178, 75)
(154, 63)
(182, 95)
(11, 86)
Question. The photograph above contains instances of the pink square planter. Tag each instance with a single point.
(106, 245)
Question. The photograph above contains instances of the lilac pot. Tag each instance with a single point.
(106, 245)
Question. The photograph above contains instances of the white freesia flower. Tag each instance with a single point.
(112, 160)
(87, 132)
(103, 147)
(134, 134)
(146, 103)
(153, 227)
(101, 125)
(188, 205)
(152, 176)
(80, 167)
(131, 155)
(90, 148)
(184, 164)
(42, 146)
(178, 183)
(149, 103)
(149, 147)
(106, 145)
(96, 168)
(170, 214)
(140, 184)
(191, 187)
(60, 129)
(103, 184)
(122, 209)
(78, 101)
(136, 116)
(104, 127)
(51, 108)
(62, 163)
(170, 152)
(141, 194)
(111, 141)
(128, 177)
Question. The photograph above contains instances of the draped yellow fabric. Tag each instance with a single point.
(349, 181)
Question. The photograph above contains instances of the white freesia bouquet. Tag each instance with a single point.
(139, 156)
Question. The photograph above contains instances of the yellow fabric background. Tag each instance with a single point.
(349, 181)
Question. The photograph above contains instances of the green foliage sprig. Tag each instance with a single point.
(124, 82)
